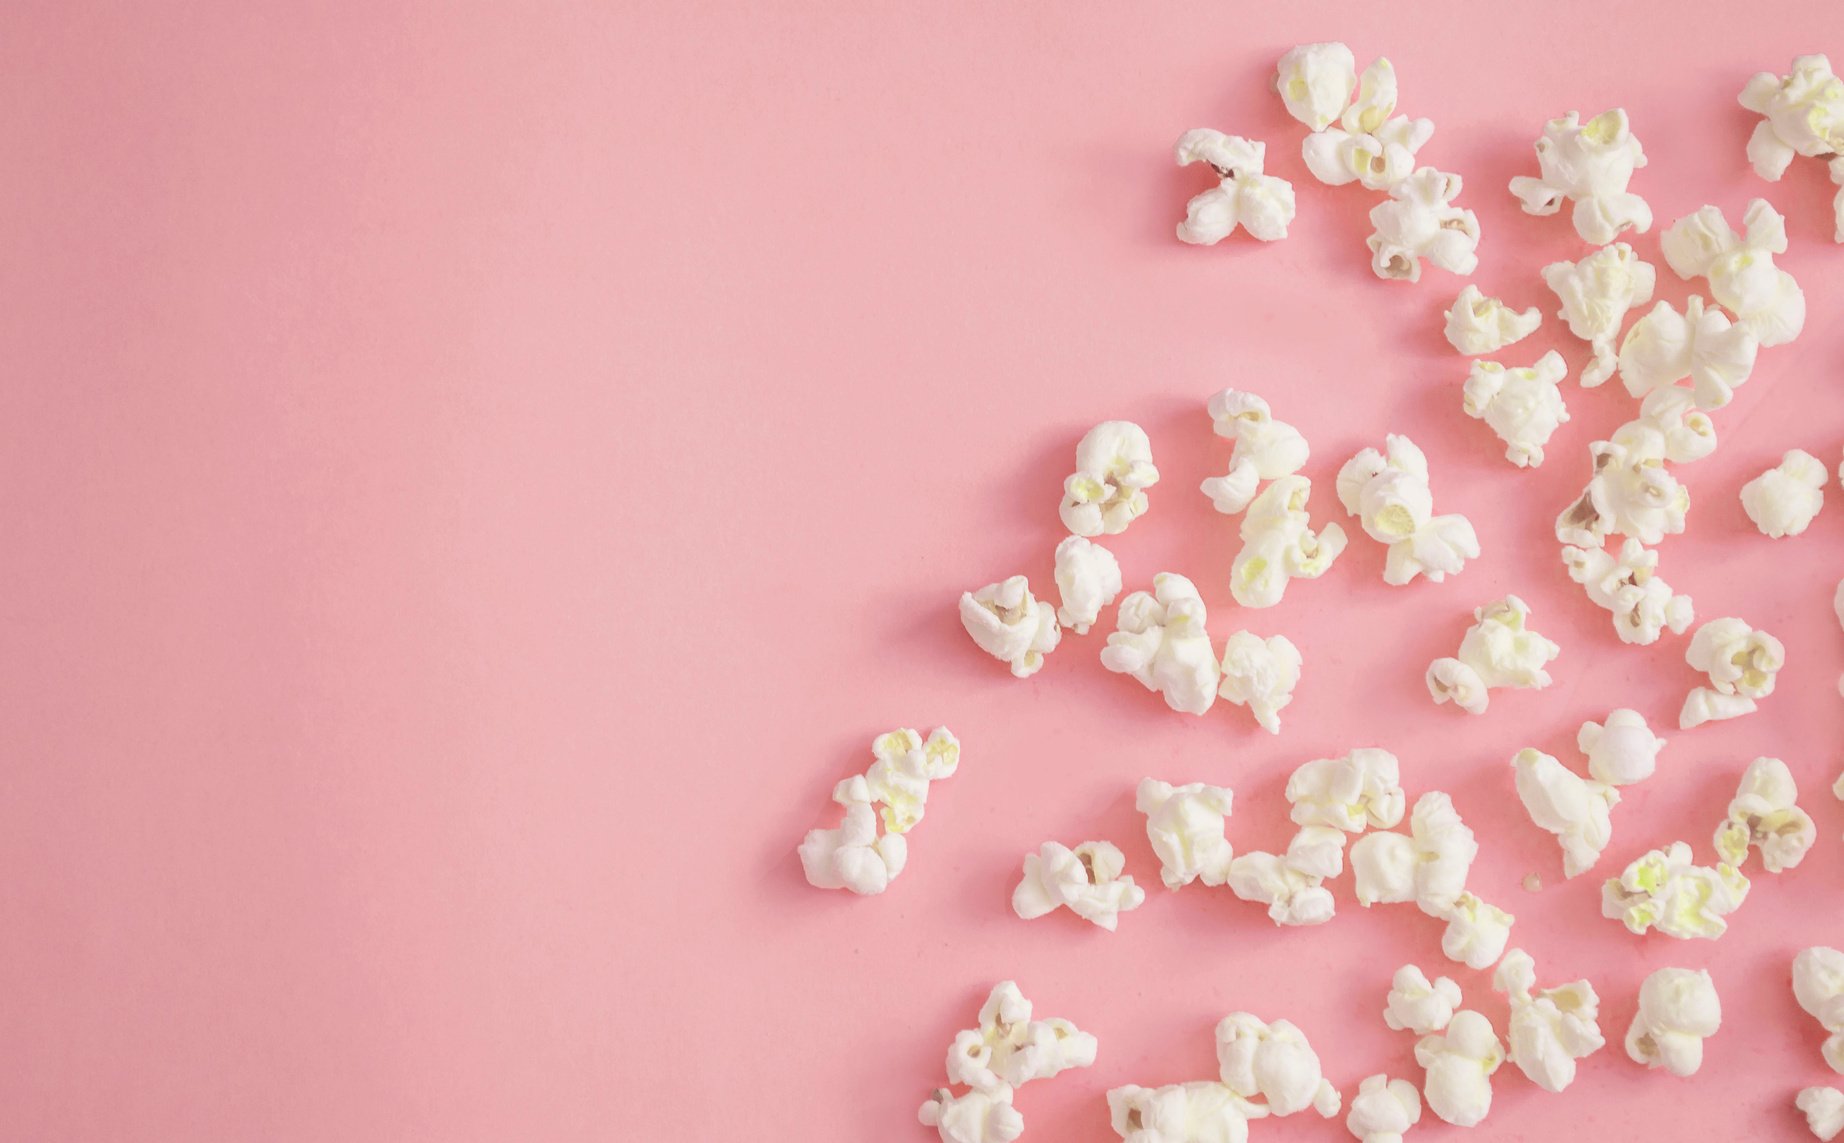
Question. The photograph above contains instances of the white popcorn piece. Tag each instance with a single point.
(1522, 405)
(1498, 651)
(1383, 1110)
(1087, 880)
(1678, 1010)
(1388, 491)
(1631, 493)
(1244, 196)
(1702, 344)
(1186, 826)
(1550, 1028)
(854, 856)
(1824, 1111)
(1161, 640)
(1360, 790)
(1419, 222)
(1662, 890)
(1784, 500)
(1669, 426)
(1704, 704)
(1596, 294)
(1459, 1064)
(1198, 1112)
(1477, 324)
(1232, 492)
(1316, 82)
(1741, 663)
(1419, 1005)
(1383, 867)
(1007, 622)
(1802, 114)
(1622, 750)
(1740, 268)
(1642, 604)
(1279, 545)
(1590, 164)
(1107, 492)
(972, 1116)
(1564, 803)
(1818, 985)
(906, 765)
(1010, 1048)
(1292, 897)
(1087, 579)
(1371, 145)
(1317, 851)
(1476, 932)
(1260, 674)
(1764, 815)
(1444, 848)
(1274, 447)
(1273, 1063)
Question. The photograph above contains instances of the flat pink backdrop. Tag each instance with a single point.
(476, 475)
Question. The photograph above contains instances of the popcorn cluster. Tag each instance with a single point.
(1006, 1051)
(1498, 651)
(856, 855)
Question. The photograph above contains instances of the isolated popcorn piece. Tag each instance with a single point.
(1383, 867)
(1383, 1109)
(1292, 897)
(1187, 828)
(1444, 849)
(1161, 640)
(1622, 750)
(1086, 880)
(1198, 1112)
(1669, 426)
(1476, 932)
(1522, 405)
(1551, 1028)
(1627, 585)
(1631, 493)
(1007, 622)
(1279, 545)
(854, 856)
(1087, 578)
(1564, 803)
(1419, 1005)
(1459, 1064)
(1316, 82)
(1477, 324)
(1107, 492)
(1371, 145)
(1273, 1063)
(1764, 815)
(1232, 492)
(1663, 890)
(1802, 114)
(1275, 447)
(1261, 204)
(1388, 492)
(1740, 267)
(1818, 985)
(1678, 1010)
(1741, 663)
(1591, 165)
(1596, 294)
(1666, 346)
(905, 767)
(972, 1116)
(1498, 651)
(1360, 790)
(1260, 674)
(1824, 1111)
(1784, 500)
(1010, 1048)
(1419, 222)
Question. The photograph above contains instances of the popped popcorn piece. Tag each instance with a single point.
(1631, 493)
(1763, 815)
(1383, 1110)
(905, 767)
(1316, 81)
(1087, 578)
(1087, 880)
(1824, 1111)
(1663, 890)
(1388, 492)
(1590, 164)
(1007, 622)
(1476, 933)
(1279, 545)
(1459, 1064)
(972, 1116)
(1198, 1112)
(1292, 897)
(1371, 145)
(1803, 114)
(1261, 204)
(1596, 294)
(1550, 1029)
(1564, 803)
(1273, 1062)
(1383, 869)
(1498, 651)
(1260, 674)
(1419, 221)
(1741, 663)
(1231, 492)
(1161, 641)
(1818, 985)
(1317, 851)
(1477, 324)
(855, 856)
(1669, 425)
(1419, 1005)
(1621, 751)
(1665, 347)
(1274, 447)
(1522, 405)
(1444, 848)
(1359, 790)
(1186, 826)
(1784, 500)
(1678, 1010)
(1740, 267)
(1642, 604)
(1107, 492)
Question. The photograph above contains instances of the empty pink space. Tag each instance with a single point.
(477, 475)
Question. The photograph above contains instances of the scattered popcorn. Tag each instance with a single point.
(1231, 492)
(1573, 808)
(1784, 500)
(1444, 848)
(1824, 1111)
(1275, 448)
(1550, 1029)
(1419, 1005)
(1665, 347)
(1803, 114)
(1740, 268)
(1523, 405)
(973, 1116)
(1477, 932)
(854, 856)
(1383, 869)
(1477, 324)
(1590, 164)
(1678, 1010)
(1087, 880)
(1292, 897)
(1641, 602)
(1203, 1112)
(1114, 468)
(1663, 890)
(1818, 985)
(1316, 82)
(1383, 1110)
(1279, 545)
(1388, 492)
(1161, 641)
(1360, 790)
(1261, 204)
(1088, 579)
(1460, 1063)
(1621, 751)
(1007, 1050)
(1186, 826)
(1669, 426)
(1008, 623)
(1260, 674)
(1420, 221)
(1741, 663)
(1596, 294)
(1273, 1062)
(1499, 650)
(1763, 816)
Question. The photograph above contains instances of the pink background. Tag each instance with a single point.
(475, 477)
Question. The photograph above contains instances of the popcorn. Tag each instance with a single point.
(1114, 468)
(1273, 1062)
(1818, 985)
(1260, 674)
(1642, 603)
(1663, 890)
(1678, 1010)
(1740, 268)
(1007, 622)
(1567, 805)
(1591, 164)
(1763, 816)
(1665, 347)
(1824, 1111)
(1361, 789)
(1383, 1110)
(1444, 848)
(1275, 448)
(1596, 294)
(1162, 642)
(1420, 221)
(1278, 544)
(972, 1116)
(1499, 650)
(1317, 851)
(1549, 1029)
(905, 766)
(854, 856)
(1261, 204)
(1621, 751)
(1292, 897)
(1186, 826)
(1460, 1063)
(1784, 500)
(1388, 491)
(1087, 880)
(1008, 1050)
(1477, 324)
(1378, 159)
(1523, 406)
(1741, 663)
(1316, 81)
(1476, 933)
(1087, 578)
(1203, 1112)
(1419, 1005)
(1631, 494)
(1231, 492)
(1803, 114)
(1383, 869)
(1669, 426)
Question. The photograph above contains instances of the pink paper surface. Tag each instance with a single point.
(477, 475)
